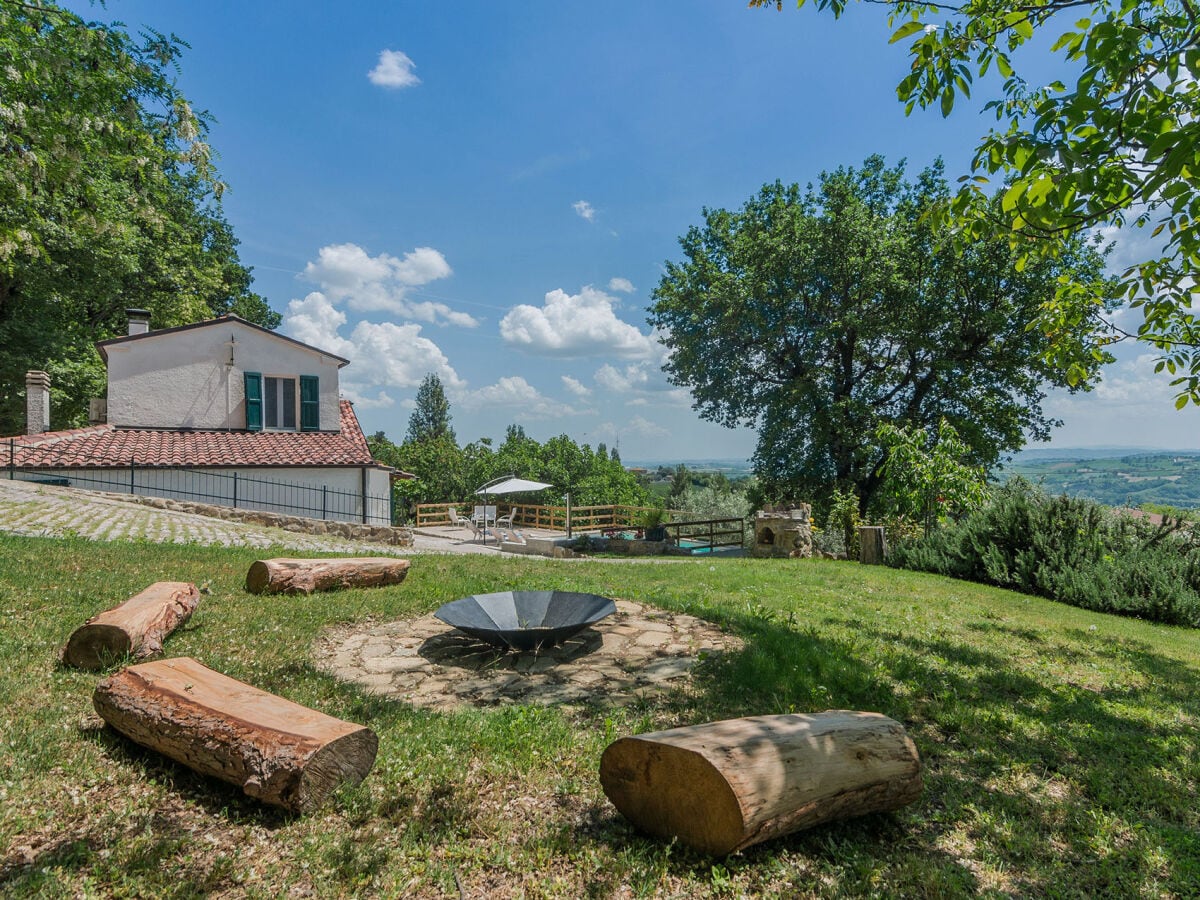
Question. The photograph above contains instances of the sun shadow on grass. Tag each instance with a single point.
(1034, 782)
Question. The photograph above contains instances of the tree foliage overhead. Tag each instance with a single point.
(1118, 144)
(108, 200)
(817, 315)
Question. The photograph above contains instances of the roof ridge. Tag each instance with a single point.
(50, 438)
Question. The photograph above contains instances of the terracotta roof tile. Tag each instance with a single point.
(104, 445)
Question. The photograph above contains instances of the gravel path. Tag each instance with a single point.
(44, 510)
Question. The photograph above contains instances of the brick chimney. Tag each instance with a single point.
(37, 402)
(139, 320)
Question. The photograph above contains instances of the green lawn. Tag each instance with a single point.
(1060, 746)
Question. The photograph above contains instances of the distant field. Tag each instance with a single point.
(730, 468)
(1111, 476)
(1171, 478)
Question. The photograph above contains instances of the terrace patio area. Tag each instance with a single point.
(551, 530)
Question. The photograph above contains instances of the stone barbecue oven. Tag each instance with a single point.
(783, 533)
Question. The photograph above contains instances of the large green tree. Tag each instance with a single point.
(817, 315)
(1115, 142)
(108, 200)
(431, 417)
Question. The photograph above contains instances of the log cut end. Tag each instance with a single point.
(670, 792)
(96, 646)
(344, 761)
(723, 786)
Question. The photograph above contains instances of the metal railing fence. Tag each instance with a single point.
(219, 487)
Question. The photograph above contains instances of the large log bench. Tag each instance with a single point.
(303, 576)
(275, 750)
(723, 786)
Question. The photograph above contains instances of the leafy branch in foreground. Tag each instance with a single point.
(1119, 147)
(108, 199)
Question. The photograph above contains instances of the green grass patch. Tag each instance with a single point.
(1060, 745)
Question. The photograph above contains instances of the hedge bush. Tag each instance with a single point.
(1072, 550)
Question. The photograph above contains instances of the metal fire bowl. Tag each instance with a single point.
(525, 620)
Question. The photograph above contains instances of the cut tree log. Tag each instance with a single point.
(277, 751)
(723, 786)
(872, 545)
(303, 576)
(136, 628)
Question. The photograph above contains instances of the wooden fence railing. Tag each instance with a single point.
(583, 518)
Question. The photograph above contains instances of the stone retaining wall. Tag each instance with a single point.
(383, 534)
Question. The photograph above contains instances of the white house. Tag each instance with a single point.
(222, 412)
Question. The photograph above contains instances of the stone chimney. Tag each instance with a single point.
(139, 320)
(37, 402)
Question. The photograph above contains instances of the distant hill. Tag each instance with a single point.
(1041, 453)
(1130, 479)
(730, 468)
(1114, 476)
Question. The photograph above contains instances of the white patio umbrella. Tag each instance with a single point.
(507, 485)
(511, 485)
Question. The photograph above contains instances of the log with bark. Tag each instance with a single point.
(303, 576)
(136, 628)
(723, 786)
(872, 545)
(277, 751)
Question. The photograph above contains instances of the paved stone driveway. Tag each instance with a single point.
(35, 509)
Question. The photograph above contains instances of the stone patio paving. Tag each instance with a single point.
(636, 652)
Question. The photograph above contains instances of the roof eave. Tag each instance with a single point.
(102, 346)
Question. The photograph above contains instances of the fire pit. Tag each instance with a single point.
(525, 620)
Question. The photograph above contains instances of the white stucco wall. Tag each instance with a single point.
(287, 491)
(182, 379)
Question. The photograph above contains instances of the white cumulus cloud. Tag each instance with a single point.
(346, 273)
(575, 325)
(394, 70)
(575, 386)
(642, 383)
(584, 210)
(621, 285)
(382, 354)
(514, 392)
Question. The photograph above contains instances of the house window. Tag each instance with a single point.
(272, 402)
(279, 403)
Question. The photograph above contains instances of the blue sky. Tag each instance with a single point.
(489, 191)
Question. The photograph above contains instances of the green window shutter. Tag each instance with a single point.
(310, 403)
(254, 403)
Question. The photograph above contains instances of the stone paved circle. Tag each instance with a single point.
(637, 651)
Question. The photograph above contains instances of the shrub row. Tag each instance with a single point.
(1072, 550)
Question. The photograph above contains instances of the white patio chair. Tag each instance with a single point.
(460, 521)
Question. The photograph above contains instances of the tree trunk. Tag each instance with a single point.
(303, 576)
(136, 628)
(726, 785)
(872, 545)
(277, 751)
